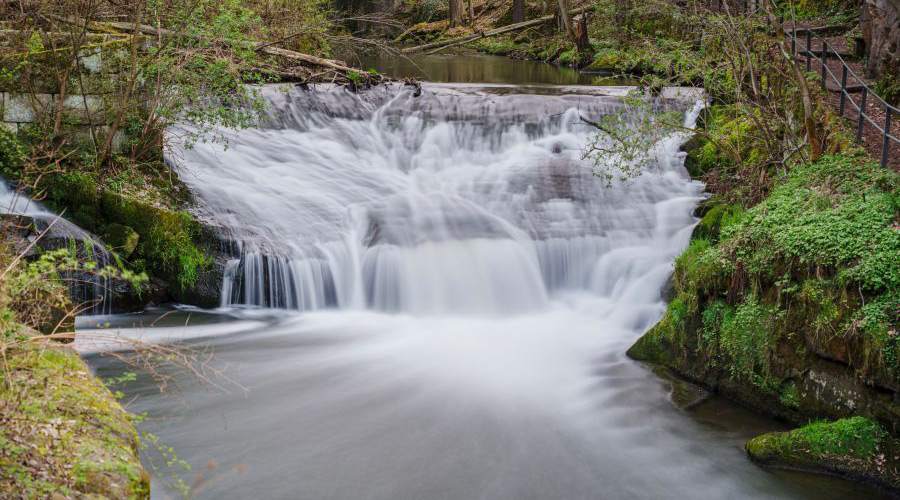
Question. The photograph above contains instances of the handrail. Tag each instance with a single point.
(866, 91)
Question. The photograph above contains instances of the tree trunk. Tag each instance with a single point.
(518, 11)
(567, 20)
(106, 149)
(880, 23)
(471, 13)
(812, 137)
(456, 13)
(583, 42)
(622, 8)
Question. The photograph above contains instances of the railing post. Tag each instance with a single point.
(843, 88)
(886, 147)
(824, 64)
(808, 50)
(862, 113)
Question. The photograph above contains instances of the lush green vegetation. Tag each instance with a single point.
(62, 432)
(857, 447)
(815, 260)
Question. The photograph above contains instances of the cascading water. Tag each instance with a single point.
(90, 291)
(468, 293)
(452, 201)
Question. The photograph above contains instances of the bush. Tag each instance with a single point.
(12, 154)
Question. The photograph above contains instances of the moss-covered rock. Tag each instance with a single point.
(122, 239)
(166, 238)
(857, 448)
(62, 434)
(789, 307)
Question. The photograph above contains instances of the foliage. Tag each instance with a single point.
(817, 257)
(856, 436)
(166, 238)
(61, 432)
(888, 87)
(836, 214)
(746, 338)
(12, 155)
(625, 143)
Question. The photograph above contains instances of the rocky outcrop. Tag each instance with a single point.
(772, 311)
(880, 23)
(855, 448)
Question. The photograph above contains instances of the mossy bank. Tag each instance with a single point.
(789, 307)
(139, 211)
(63, 435)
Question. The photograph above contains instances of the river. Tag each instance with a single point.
(432, 299)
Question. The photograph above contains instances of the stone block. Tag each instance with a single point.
(84, 109)
(20, 108)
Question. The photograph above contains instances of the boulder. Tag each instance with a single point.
(856, 448)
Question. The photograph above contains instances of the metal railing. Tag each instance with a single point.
(858, 85)
(868, 97)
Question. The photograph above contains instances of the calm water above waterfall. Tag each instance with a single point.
(431, 298)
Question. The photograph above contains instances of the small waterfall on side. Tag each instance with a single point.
(87, 288)
(456, 200)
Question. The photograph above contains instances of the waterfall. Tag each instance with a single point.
(454, 199)
(89, 290)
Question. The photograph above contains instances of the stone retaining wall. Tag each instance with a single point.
(30, 93)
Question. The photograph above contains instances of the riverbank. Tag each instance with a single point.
(62, 433)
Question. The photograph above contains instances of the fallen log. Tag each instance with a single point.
(490, 33)
(264, 48)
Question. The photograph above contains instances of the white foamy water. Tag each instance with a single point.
(467, 292)
(90, 292)
(443, 203)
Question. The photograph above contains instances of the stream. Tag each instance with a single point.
(431, 298)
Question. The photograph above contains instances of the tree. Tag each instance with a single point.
(456, 13)
(518, 11)
(567, 20)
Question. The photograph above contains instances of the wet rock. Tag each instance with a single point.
(668, 290)
(121, 239)
(684, 395)
(207, 289)
(856, 448)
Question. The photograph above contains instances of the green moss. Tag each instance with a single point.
(568, 57)
(496, 47)
(717, 217)
(121, 239)
(606, 58)
(856, 447)
(837, 213)
(789, 396)
(809, 272)
(65, 434)
(747, 338)
(74, 188)
(167, 238)
(858, 437)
